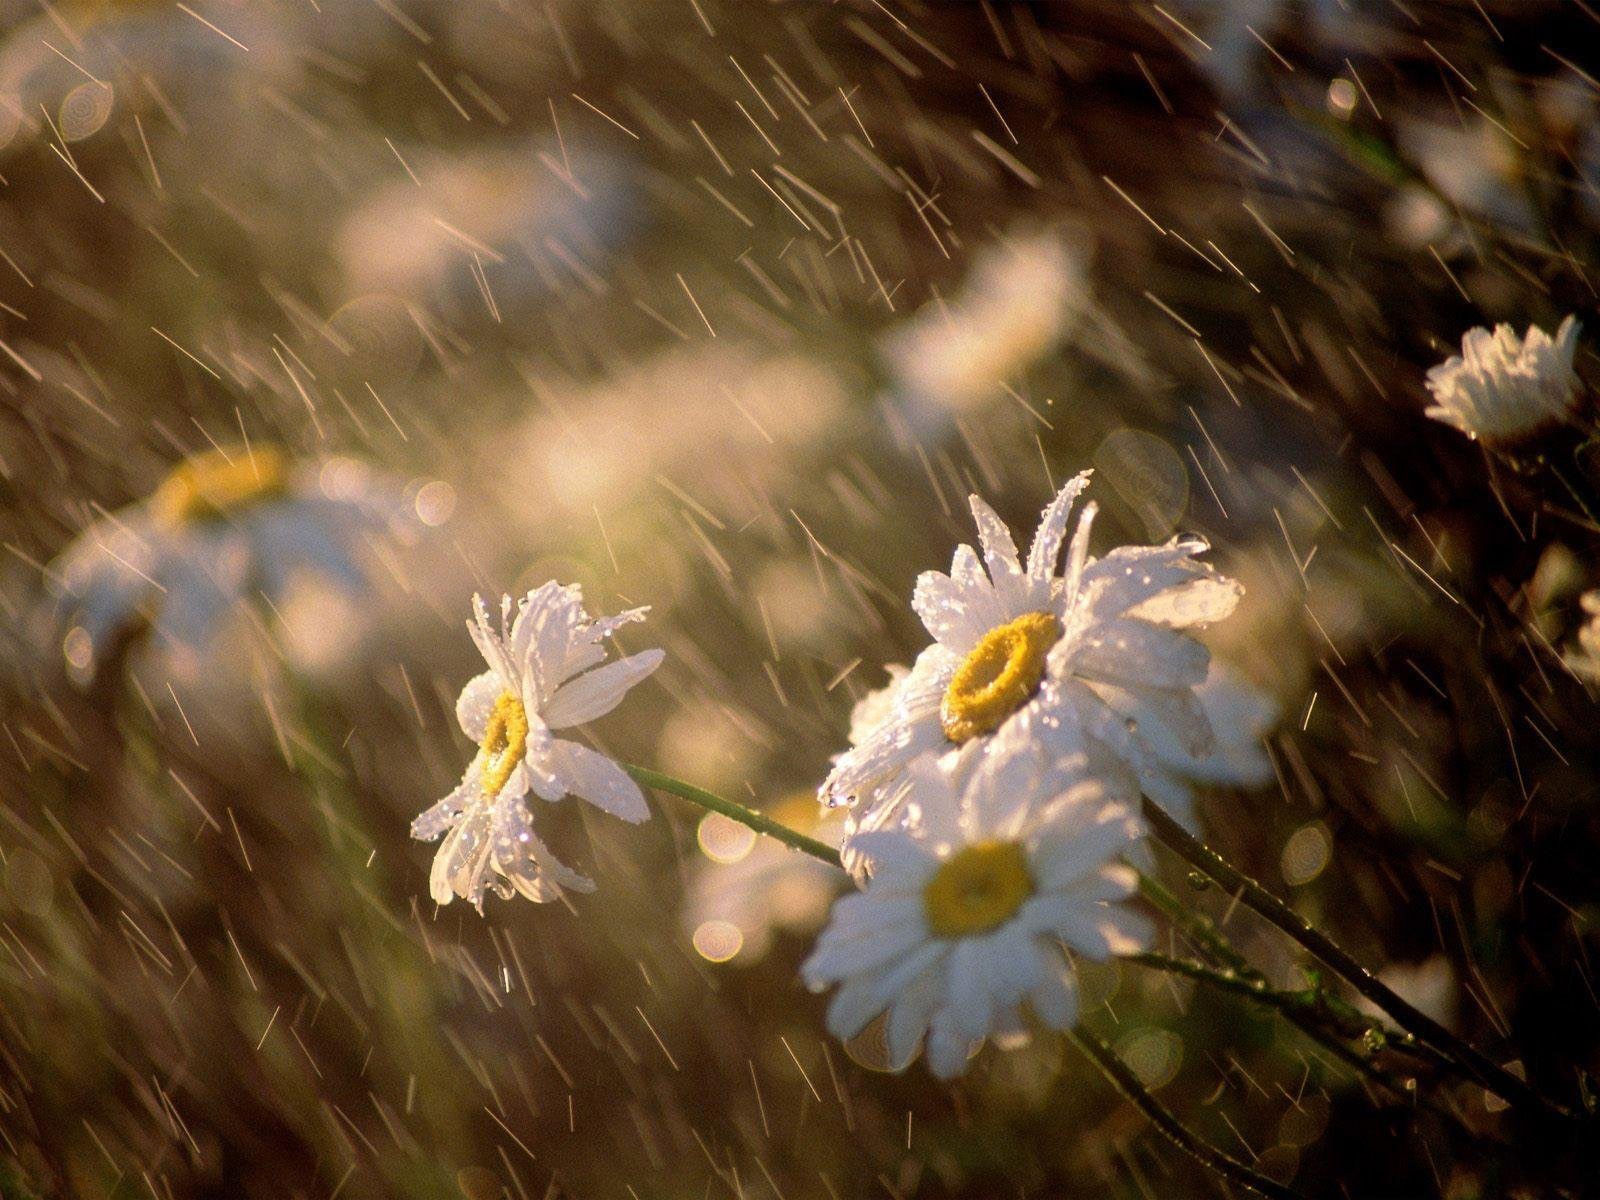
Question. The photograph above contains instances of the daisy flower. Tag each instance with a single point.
(224, 526)
(1240, 716)
(1503, 389)
(544, 675)
(958, 932)
(1090, 660)
(1022, 299)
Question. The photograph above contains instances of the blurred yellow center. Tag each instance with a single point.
(214, 483)
(997, 676)
(977, 889)
(505, 741)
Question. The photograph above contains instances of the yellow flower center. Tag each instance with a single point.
(505, 741)
(997, 676)
(212, 484)
(977, 889)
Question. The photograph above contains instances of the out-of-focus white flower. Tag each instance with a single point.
(963, 916)
(752, 888)
(487, 232)
(1240, 715)
(1476, 166)
(1023, 297)
(726, 415)
(544, 674)
(1090, 662)
(223, 528)
(1585, 661)
(1502, 388)
(124, 55)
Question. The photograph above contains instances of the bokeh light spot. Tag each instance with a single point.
(435, 503)
(718, 941)
(1306, 853)
(725, 840)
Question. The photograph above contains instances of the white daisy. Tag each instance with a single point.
(1023, 297)
(1584, 660)
(1240, 715)
(958, 931)
(543, 675)
(1502, 388)
(223, 527)
(1090, 661)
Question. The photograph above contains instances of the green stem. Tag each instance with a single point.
(1199, 927)
(1309, 1011)
(1126, 1082)
(736, 812)
(1256, 898)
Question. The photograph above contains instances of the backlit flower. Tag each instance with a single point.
(1089, 661)
(223, 528)
(958, 931)
(1022, 299)
(1502, 388)
(544, 675)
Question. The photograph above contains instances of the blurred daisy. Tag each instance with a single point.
(1240, 716)
(958, 932)
(488, 232)
(224, 527)
(1585, 659)
(750, 889)
(1502, 388)
(134, 56)
(1090, 662)
(544, 674)
(1022, 299)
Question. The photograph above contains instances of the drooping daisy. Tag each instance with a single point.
(1502, 389)
(958, 931)
(1090, 660)
(544, 675)
(225, 526)
(1240, 715)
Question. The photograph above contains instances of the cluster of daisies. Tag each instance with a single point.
(992, 789)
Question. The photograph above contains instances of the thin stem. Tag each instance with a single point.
(1308, 1011)
(1201, 928)
(748, 817)
(1255, 897)
(1126, 1082)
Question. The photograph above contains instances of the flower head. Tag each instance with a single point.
(1089, 661)
(544, 675)
(958, 931)
(1022, 299)
(1503, 389)
(224, 526)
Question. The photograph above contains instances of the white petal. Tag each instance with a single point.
(593, 694)
(1046, 548)
(955, 615)
(598, 780)
(1055, 997)
(447, 812)
(999, 550)
(477, 701)
(1133, 652)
